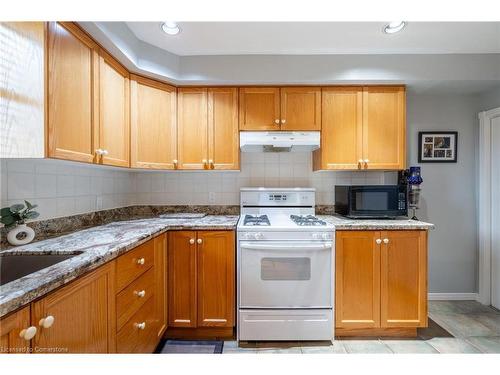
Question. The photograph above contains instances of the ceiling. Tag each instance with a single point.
(307, 38)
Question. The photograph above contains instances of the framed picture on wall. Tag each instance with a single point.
(437, 147)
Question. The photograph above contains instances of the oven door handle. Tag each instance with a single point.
(252, 246)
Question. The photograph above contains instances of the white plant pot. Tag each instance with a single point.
(20, 235)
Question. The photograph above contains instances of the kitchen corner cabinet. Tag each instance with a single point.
(201, 271)
(80, 317)
(14, 334)
(208, 128)
(363, 128)
(114, 113)
(381, 282)
(153, 136)
(72, 81)
(286, 108)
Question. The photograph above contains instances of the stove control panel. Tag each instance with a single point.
(252, 236)
(322, 236)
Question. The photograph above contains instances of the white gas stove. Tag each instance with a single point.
(285, 267)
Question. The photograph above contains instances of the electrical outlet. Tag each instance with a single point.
(211, 197)
(98, 203)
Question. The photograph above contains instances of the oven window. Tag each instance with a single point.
(372, 201)
(285, 269)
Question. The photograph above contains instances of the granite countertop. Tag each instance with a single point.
(343, 223)
(98, 245)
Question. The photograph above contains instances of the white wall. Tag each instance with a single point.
(449, 190)
(62, 188)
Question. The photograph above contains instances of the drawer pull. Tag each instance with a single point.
(386, 240)
(199, 240)
(141, 326)
(378, 241)
(141, 261)
(28, 333)
(46, 322)
(191, 241)
(140, 293)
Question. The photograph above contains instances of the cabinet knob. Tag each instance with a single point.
(175, 162)
(386, 240)
(28, 333)
(283, 120)
(191, 241)
(140, 325)
(46, 322)
(199, 240)
(378, 241)
(141, 261)
(277, 121)
(99, 151)
(105, 152)
(140, 293)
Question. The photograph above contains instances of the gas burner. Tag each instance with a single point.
(254, 220)
(308, 220)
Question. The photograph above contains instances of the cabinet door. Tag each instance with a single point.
(300, 108)
(403, 289)
(216, 275)
(160, 269)
(72, 108)
(259, 108)
(83, 313)
(223, 135)
(384, 127)
(192, 128)
(182, 275)
(153, 138)
(114, 124)
(357, 275)
(10, 328)
(341, 129)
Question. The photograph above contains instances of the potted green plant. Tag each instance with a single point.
(14, 218)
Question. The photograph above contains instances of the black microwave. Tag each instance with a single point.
(371, 201)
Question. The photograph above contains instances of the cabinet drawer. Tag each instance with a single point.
(133, 264)
(131, 338)
(130, 299)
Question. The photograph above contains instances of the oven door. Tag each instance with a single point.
(285, 274)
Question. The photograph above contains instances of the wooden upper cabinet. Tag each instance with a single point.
(341, 130)
(300, 108)
(403, 279)
(192, 128)
(153, 138)
(83, 315)
(357, 279)
(11, 326)
(114, 124)
(259, 108)
(384, 127)
(216, 277)
(182, 275)
(223, 135)
(72, 106)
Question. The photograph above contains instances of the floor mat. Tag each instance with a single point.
(190, 347)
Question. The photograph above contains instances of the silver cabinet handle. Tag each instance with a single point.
(191, 241)
(140, 293)
(28, 333)
(378, 241)
(283, 120)
(277, 122)
(199, 240)
(141, 261)
(99, 151)
(141, 326)
(386, 240)
(105, 152)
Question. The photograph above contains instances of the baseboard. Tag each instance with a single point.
(453, 296)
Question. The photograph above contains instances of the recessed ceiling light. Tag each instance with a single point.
(170, 28)
(394, 27)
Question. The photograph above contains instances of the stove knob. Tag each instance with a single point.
(315, 236)
(258, 236)
(325, 236)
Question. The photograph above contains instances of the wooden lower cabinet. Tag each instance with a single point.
(83, 315)
(201, 283)
(11, 328)
(381, 282)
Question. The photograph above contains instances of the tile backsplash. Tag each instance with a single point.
(62, 188)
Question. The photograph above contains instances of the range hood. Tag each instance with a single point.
(275, 141)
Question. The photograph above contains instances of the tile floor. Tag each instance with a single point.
(475, 327)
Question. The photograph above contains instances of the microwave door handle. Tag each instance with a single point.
(252, 246)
